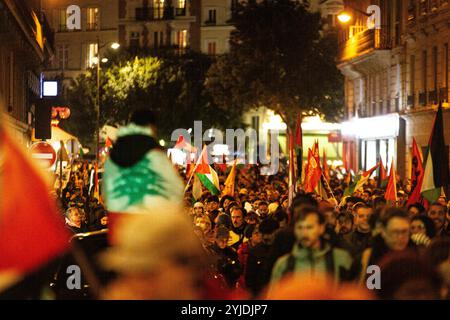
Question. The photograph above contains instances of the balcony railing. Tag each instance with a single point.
(159, 13)
(410, 100)
(180, 12)
(364, 42)
(432, 97)
(422, 98)
(443, 94)
(92, 26)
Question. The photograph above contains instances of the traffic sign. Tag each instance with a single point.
(44, 153)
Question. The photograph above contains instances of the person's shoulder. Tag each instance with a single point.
(342, 257)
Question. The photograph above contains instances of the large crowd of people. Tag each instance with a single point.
(258, 238)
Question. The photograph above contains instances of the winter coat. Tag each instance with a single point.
(337, 262)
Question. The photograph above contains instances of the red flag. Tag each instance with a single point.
(325, 168)
(182, 144)
(202, 163)
(382, 174)
(222, 166)
(314, 173)
(391, 189)
(348, 178)
(32, 232)
(417, 173)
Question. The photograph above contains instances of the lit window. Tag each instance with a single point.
(212, 48)
(92, 18)
(158, 9)
(91, 56)
(182, 39)
(62, 20)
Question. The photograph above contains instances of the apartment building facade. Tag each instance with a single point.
(26, 46)
(395, 64)
(76, 49)
(155, 23)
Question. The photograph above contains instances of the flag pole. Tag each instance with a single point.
(328, 186)
(193, 172)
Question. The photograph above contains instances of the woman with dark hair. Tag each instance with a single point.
(416, 209)
(422, 230)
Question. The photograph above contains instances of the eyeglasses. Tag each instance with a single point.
(398, 233)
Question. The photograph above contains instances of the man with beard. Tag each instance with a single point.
(311, 254)
(437, 212)
(238, 227)
(361, 237)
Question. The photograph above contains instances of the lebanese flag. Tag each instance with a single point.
(391, 189)
(206, 174)
(436, 175)
(32, 231)
(417, 173)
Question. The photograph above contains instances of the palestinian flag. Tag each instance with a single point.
(206, 174)
(436, 175)
(360, 181)
(416, 174)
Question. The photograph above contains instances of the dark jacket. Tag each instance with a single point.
(227, 264)
(82, 229)
(258, 268)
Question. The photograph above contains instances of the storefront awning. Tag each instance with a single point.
(373, 127)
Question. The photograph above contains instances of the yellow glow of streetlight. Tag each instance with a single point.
(104, 60)
(344, 17)
(115, 46)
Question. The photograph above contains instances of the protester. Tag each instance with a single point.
(394, 238)
(227, 260)
(311, 254)
(74, 220)
(258, 263)
(437, 212)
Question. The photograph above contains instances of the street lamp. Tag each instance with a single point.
(344, 17)
(113, 46)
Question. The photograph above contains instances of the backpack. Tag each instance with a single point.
(329, 261)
